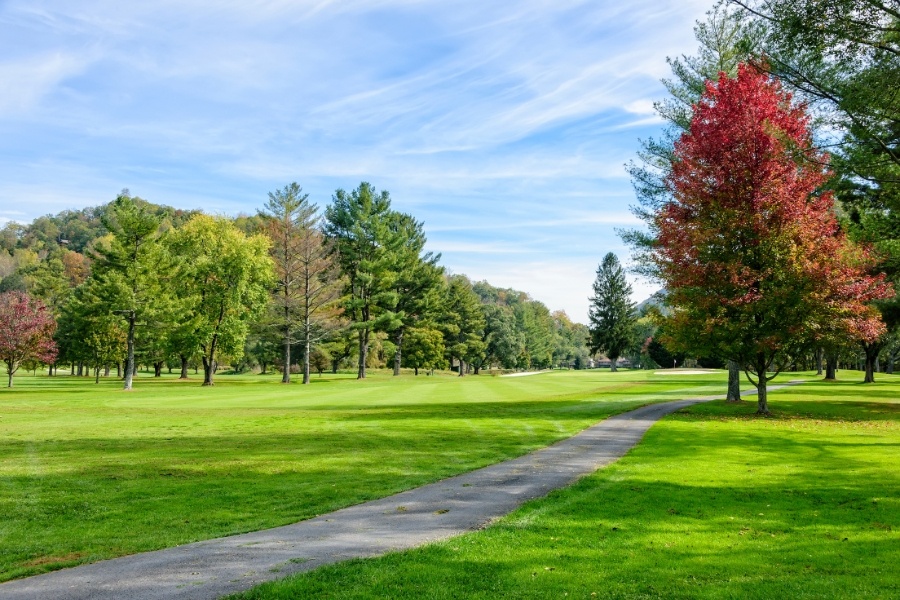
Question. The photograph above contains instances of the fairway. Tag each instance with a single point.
(89, 472)
(713, 503)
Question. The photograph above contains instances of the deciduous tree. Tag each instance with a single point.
(223, 278)
(26, 331)
(752, 256)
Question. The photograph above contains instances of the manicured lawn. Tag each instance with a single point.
(89, 472)
(714, 503)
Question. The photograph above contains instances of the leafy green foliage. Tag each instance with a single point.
(223, 278)
(424, 349)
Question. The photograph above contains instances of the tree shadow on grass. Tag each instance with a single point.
(696, 511)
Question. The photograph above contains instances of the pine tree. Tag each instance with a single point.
(612, 313)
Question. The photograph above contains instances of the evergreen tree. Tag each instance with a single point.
(463, 324)
(612, 313)
(127, 268)
(358, 225)
(288, 218)
(417, 284)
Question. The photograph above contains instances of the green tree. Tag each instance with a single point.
(418, 282)
(463, 323)
(358, 225)
(423, 348)
(289, 219)
(504, 343)
(223, 277)
(106, 343)
(126, 268)
(612, 313)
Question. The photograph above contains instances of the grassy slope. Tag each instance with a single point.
(714, 503)
(89, 472)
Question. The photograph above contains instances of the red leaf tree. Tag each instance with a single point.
(26, 331)
(750, 251)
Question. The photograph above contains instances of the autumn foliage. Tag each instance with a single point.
(749, 247)
(26, 331)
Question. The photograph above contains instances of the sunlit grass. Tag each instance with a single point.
(89, 472)
(714, 503)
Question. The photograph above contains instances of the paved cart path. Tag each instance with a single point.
(213, 568)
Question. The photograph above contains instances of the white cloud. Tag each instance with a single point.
(503, 126)
(25, 82)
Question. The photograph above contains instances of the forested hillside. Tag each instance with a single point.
(291, 288)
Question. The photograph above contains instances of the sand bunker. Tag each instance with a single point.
(684, 372)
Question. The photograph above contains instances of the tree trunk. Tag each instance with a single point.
(286, 372)
(462, 368)
(97, 374)
(157, 369)
(184, 366)
(307, 345)
(80, 369)
(363, 353)
(831, 360)
(50, 372)
(334, 366)
(129, 360)
(820, 355)
(106, 370)
(397, 354)
(416, 370)
(10, 374)
(118, 370)
(612, 364)
(734, 382)
(762, 400)
(208, 371)
(871, 350)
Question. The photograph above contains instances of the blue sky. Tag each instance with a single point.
(504, 126)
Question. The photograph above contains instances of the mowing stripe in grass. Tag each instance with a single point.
(450, 507)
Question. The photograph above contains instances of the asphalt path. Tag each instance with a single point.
(214, 568)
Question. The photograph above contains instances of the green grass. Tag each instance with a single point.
(714, 503)
(89, 472)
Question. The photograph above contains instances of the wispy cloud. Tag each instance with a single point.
(503, 126)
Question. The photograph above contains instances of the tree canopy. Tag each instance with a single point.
(752, 256)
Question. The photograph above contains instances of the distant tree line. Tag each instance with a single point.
(290, 288)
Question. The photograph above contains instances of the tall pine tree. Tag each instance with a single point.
(612, 313)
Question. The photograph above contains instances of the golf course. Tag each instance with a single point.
(714, 502)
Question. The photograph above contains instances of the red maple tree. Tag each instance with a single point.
(749, 249)
(26, 331)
